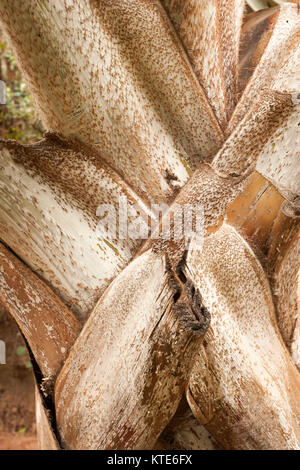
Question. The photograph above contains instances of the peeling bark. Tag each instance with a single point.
(184, 432)
(48, 326)
(251, 399)
(49, 195)
(267, 124)
(97, 72)
(255, 35)
(127, 372)
(256, 214)
(114, 78)
(262, 141)
(211, 38)
(281, 51)
(286, 284)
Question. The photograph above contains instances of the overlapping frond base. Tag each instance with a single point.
(179, 102)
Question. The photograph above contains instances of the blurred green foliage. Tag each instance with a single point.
(21, 351)
(18, 118)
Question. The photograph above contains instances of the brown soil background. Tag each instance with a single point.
(17, 408)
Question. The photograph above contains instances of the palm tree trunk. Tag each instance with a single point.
(134, 116)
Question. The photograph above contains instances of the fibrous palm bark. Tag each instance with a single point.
(155, 102)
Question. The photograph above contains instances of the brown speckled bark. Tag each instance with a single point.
(211, 38)
(286, 283)
(49, 193)
(255, 35)
(138, 94)
(245, 389)
(97, 72)
(281, 51)
(49, 327)
(127, 371)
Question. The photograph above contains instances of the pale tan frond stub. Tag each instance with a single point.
(98, 72)
(48, 326)
(211, 38)
(49, 196)
(126, 374)
(251, 400)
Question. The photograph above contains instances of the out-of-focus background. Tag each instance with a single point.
(17, 413)
(18, 120)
